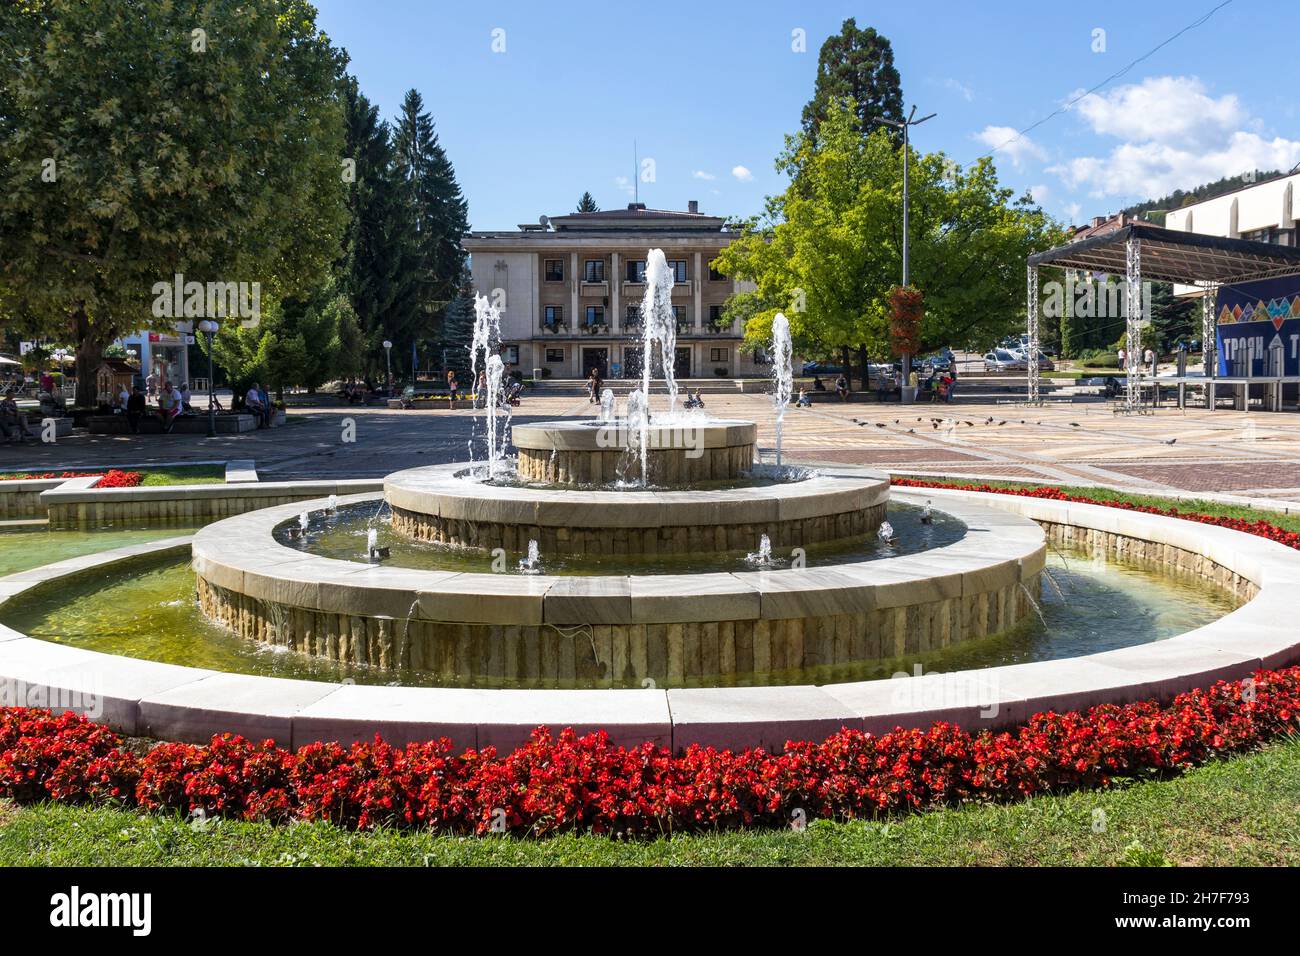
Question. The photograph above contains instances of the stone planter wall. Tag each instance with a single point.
(181, 504)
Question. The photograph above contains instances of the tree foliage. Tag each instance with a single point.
(857, 66)
(143, 139)
(828, 250)
(587, 204)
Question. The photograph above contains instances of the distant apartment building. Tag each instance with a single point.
(573, 286)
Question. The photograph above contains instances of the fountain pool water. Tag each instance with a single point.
(149, 612)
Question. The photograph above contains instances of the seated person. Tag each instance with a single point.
(169, 405)
(13, 423)
(184, 393)
(818, 384)
(135, 408)
(842, 388)
(121, 399)
(253, 402)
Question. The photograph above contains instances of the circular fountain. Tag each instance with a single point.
(783, 565)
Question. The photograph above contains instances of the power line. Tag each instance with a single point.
(1114, 76)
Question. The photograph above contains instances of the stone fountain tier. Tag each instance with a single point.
(516, 630)
(688, 451)
(444, 504)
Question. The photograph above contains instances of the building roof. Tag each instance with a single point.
(634, 222)
(1169, 255)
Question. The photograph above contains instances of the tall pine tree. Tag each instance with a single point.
(429, 186)
(587, 204)
(856, 65)
(381, 267)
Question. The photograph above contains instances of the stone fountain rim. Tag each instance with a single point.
(241, 554)
(584, 434)
(172, 701)
(442, 490)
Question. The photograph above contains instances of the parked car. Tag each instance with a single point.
(1004, 360)
(822, 368)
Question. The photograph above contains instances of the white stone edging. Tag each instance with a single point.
(171, 701)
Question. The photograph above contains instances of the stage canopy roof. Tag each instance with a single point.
(1169, 255)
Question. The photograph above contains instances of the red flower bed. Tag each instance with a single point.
(586, 783)
(1261, 528)
(112, 478)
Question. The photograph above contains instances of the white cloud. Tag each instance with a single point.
(960, 88)
(1004, 142)
(1163, 109)
(743, 174)
(1039, 193)
(624, 184)
(1176, 136)
(1072, 211)
(701, 174)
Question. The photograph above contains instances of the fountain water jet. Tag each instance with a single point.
(782, 374)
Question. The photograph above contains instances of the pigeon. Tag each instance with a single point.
(911, 431)
(880, 424)
(1169, 442)
(969, 424)
(1074, 425)
(934, 424)
(896, 421)
(1001, 423)
(989, 420)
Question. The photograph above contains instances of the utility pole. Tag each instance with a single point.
(904, 126)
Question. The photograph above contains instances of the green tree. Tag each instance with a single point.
(381, 267)
(441, 220)
(828, 250)
(587, 204)
(855, 65)
(139, 140)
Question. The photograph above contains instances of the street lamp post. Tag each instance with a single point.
(904, 125)
(388, 360)
(209, 329)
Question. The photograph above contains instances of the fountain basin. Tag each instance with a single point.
(686, 450)
(615, 631)
(444, 504)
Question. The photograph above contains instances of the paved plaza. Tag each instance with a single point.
(1082, 442)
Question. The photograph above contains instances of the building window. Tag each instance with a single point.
(595, 315)
(679, 315)
(595, 270)
(554, 356)
(635, 270)
(715, 315)
(554, 270)
(633, 315)
(510, 355)
(715, 275)
(678, 266)
(554, 315)
(718, 355)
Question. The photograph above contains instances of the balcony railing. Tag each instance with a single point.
(594, 287)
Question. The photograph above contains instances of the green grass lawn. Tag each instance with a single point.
(1243, 811)
(184, 475)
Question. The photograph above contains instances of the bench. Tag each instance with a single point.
(227, 424)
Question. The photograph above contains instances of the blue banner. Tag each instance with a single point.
(1257, 322)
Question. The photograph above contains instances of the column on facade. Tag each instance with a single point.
(535, 287)
(1209, 356)
(697, 287)
(615, 320)
(574, 320)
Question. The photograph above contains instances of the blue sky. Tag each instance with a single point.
(708, 91)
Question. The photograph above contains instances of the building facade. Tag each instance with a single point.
(571, 289)
(1256, 324)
